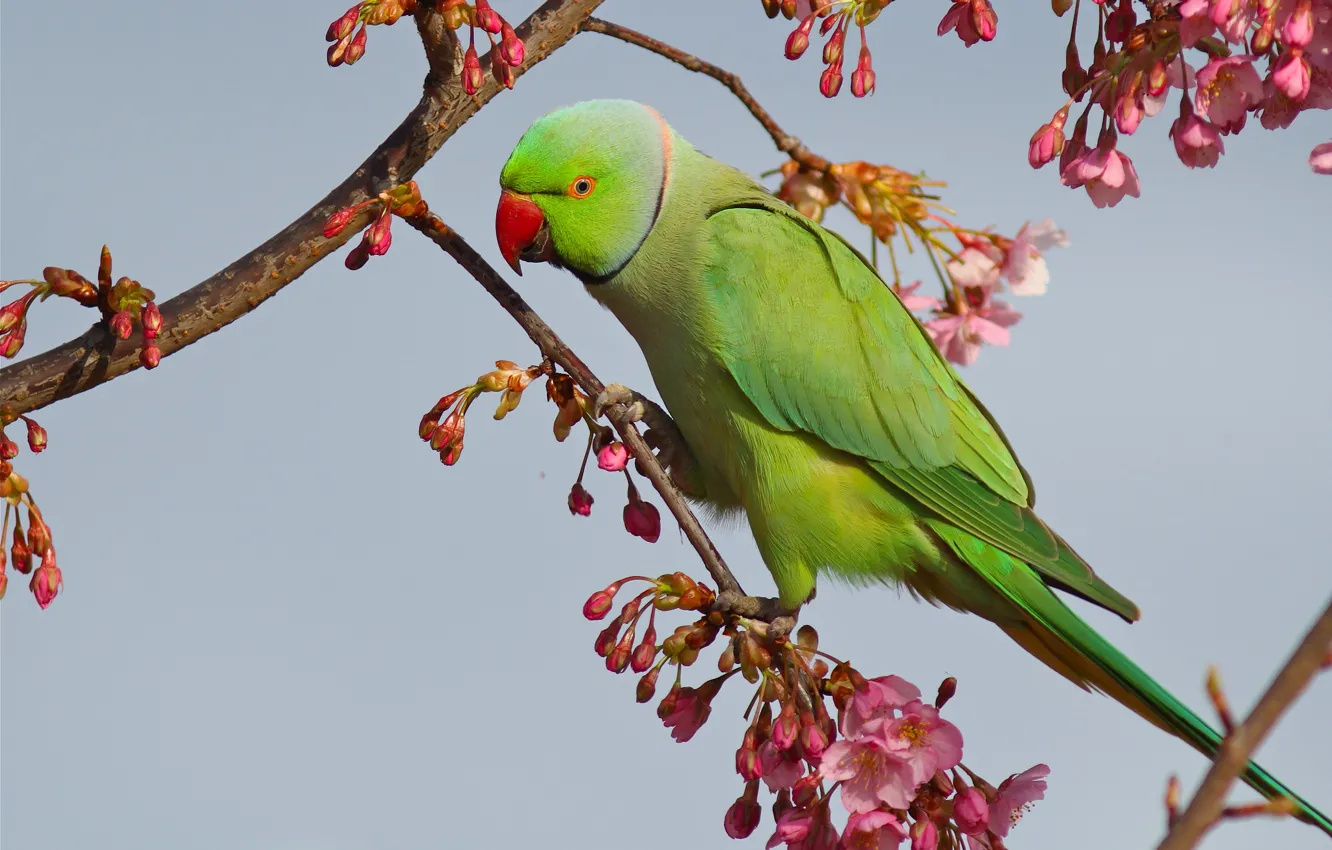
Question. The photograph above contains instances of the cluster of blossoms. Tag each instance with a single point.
(402, 200)
(36, 542)
(444, 425)
(1272, 58)
(122, 304)
(893, 762)
(347, 35)
(892, 204)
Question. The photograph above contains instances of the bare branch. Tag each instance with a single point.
(1209, 801)
(96, 356)
(785, 142)
(554, 348)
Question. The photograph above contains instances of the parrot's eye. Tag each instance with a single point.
(582, 187)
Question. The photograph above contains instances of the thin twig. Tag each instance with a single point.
(554, 348)
(96, 356)
(1209, 801)
(785, 142)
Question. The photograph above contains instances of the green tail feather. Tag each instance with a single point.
(1073, 644)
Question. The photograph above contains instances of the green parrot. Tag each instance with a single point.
(805, 395)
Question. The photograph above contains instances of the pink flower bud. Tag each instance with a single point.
(486, 17)
(342, 27)
(786, 727)
(122, 325)
(598, 605)
(1298, 29)
(471, 73)
(830, 81)
(1291, 76)
(4, 581)
(984, 19)
(743, 817)
(511, 47)
(1046, 143)
(644, 654)
(356, 49)
(378, 236)
(971, 812)
(339, 220)
(862, 79)
(151, 318)
(613, 457)
(832, 50)
(814, 741)
(12, 342)
(924, 835)
(13, 312)
(8, 448)
(642, 520)
(46, 580)
(580, 502)
(36, 435)
(798, 41)
(150, 355)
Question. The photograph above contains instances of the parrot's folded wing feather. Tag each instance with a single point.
(820, 344)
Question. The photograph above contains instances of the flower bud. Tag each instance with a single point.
(471, 73)
(356, 49)
(598, 605)
(605, 642)
(151, 319)
(46, 580)
(647, 686)
(486, 17)
(20, 555)
(798, 41)
(149, 356)
(830, 81)
(641, 519)
(924, 835)
(8, 448)
(342, 27)
(971, 812)
(511, 47)
(613, 457)
(747, 757)
(743, 817)
(618, 660)
(36, 435)
(503, 73)
(947, 688)
(644, 654)
(122, 325)
(580, 501)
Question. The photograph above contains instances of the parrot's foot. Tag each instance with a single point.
(662, 433)
(780, 619)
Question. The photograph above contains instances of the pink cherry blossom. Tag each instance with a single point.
(1226, 89)
(974, 268)
(1195, 21)
(959, 337)
(870, 774)
(1179, 75)
(690, 713)
(1197, 143)
(974, 21)
(925, 740)
(913, 302)
(780, 768)
(1232, 18)
(1025, 265)
(971, 812)
(876, 830)
(1017, 794)
(792, 827)
(1105, 173)
(875, 702)
(1320, 158)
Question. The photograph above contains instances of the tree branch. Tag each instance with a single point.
(785, 142)
(554, 348)
(1209, 801)
(97, 356)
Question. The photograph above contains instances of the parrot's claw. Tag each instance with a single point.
(780, 619)
(662, 433)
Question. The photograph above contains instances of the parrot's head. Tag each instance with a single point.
(583, 187)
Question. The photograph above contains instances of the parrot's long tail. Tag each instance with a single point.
(1063, 641)
(1049, 630)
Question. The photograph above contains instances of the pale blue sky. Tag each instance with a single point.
(287, 627)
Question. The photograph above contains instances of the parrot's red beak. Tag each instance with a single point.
(521, 230)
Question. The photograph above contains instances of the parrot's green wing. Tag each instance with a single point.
(820, 344)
